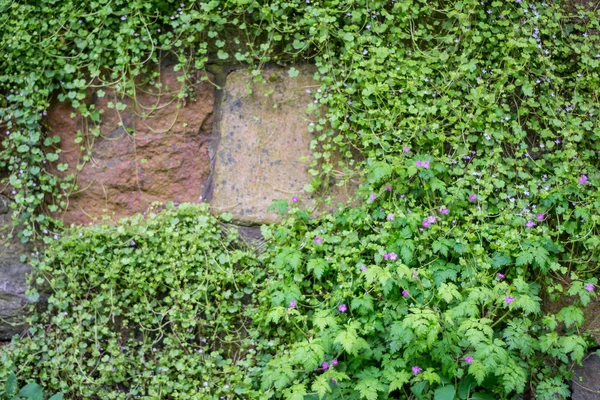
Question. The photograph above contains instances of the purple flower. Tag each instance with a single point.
(334, 362)
(418, 163)
(406, 150)
(386, 256)
(509, 299)
(468, 360)
(583, 179)
(444, 210)
(292, 304)
(343, 308)
(388, 188)
(318, 240)
(416, 370)
(589, 287)
(426, 223)
(332, 380)
(530, 224)
(500, 276)
(390, 217)
(325, 365)
(393, 256)
(425, 164)
(372, 197)
(540, 217)
(472, 197)
(363, 268)
(431, 219)
(405, 293)
(294, 199)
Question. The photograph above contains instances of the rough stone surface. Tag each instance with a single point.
(12, 279)
(166, 159)
(264, 150)
(585, 384)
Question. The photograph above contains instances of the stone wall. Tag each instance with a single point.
(237, 147)
(229, 144)
(13, 273)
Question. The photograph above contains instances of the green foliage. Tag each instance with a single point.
(31, 391)
(158, 307)
(478, 126)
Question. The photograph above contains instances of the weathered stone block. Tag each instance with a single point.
(13, 284)
(264, 150)
(585, 383)
(154, 150)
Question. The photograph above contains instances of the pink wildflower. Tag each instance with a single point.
(444, 210)
(468, 360)
(325, 365)
(416, 370)
(405, 293)
(292, 304)
(540, 217)
(589, 287)
(343, 308)
(500, 276)
(294, 199)
(390, 217)
(530, 224)
(406, 150)
(583, 179)
(318, 240)
(509, 299)
(472, 197)
(418, 163)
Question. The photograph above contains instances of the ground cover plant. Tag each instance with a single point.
(478, 125)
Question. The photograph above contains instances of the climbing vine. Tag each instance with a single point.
(477, 128)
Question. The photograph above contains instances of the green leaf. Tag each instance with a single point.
(226, 216)
(378, 171)
(58, 396)
(11, 385)
(400, 379)
(368, 388)
(222, 55)
(317, 266)
(444, 393)
(293, 72)
(321, 386)
(32, 391)
(51, 157)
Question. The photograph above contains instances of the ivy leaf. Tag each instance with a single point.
(223, 55)
(293, 72)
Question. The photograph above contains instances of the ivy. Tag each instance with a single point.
(473, 128)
